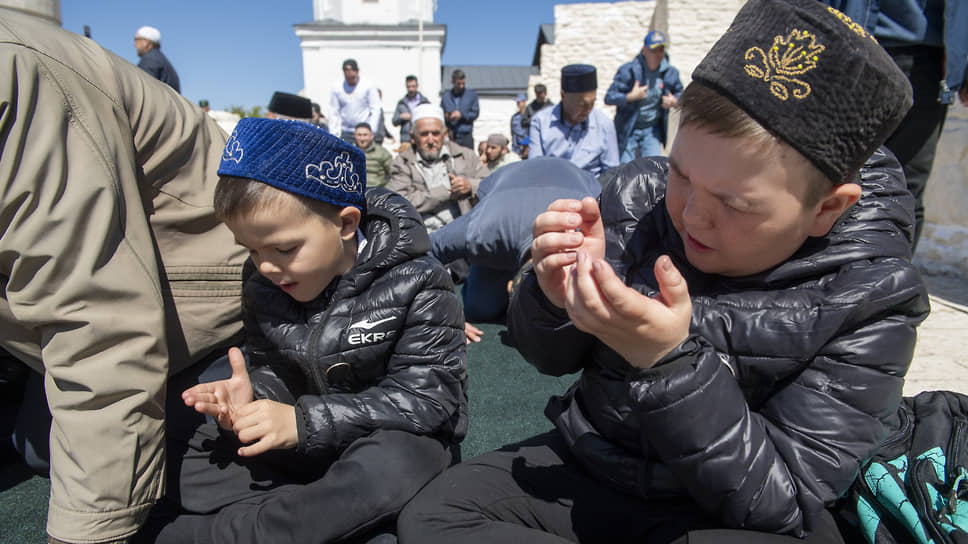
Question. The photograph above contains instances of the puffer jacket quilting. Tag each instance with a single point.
(382, 348)
(790, 377)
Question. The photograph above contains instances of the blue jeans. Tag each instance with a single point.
(643, 142)
(485, 294)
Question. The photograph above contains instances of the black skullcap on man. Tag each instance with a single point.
(291, 105)
(812, 77)
(579, 78)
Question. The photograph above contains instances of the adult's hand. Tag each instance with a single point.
(637, 93)
(472, 333)
(460, 187)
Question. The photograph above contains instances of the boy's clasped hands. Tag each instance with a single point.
(262, 425)
(568, 252)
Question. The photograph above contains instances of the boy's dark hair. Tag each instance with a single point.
(457, 74)
(351, 64)
(701, 106)
(364, 125)
(237, 198)
(411, 77)
(540, 88)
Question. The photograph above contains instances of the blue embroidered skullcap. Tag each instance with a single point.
(296, 157)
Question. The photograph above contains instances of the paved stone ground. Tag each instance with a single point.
(941, 355)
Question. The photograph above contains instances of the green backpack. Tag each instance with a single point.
(915, 489)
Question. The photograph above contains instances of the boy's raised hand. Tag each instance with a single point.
(222, 398)
(564, 228)
(265, 425)
(639, 328)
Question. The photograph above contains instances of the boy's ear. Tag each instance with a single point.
(349, 218)
(832, 206)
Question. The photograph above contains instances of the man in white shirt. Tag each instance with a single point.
(352, 102)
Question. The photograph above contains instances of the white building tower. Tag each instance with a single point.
(389, 39)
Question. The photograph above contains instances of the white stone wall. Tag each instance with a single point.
(609, 35)
(943, 247)
(495, 118)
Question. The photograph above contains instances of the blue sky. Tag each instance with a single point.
(239, 52)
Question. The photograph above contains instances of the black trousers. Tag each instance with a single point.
(915, 140)
(535, 492)
(216, 496)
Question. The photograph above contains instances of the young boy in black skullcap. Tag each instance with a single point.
(742, 314)
(355, 383)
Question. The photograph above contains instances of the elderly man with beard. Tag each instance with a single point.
(439, 177)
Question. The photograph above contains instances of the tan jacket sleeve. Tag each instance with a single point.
(407, 180)
(81, 268)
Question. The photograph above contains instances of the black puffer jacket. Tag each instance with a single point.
(381, 348)
(789, 379)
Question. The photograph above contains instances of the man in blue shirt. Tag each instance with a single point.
(643, 91)
(573, 129)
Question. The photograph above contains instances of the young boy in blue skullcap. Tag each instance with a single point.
(354, 389)
(742, 314)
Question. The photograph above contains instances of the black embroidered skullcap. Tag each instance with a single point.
(579, 78)
(811, 76)
(291, 105)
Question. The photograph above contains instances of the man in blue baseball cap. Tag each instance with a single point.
(643, 90)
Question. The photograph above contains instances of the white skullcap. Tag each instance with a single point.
(424, 111)
(149, 33)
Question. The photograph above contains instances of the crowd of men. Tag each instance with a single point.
(120, 286)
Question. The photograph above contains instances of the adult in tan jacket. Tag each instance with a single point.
(113, 271)
(439, 177)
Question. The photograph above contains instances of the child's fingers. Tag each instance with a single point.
(253, 449)
(554, 262)
(591, 218)
(237, 362)
(585, 286)
(565, 205)
(556, 221)
(197, 390)
(672, 286)
(207, 408)
(614, 291)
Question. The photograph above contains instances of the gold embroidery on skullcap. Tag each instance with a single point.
(858, 29)
(787, 58)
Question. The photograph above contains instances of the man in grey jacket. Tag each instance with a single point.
(114, 272)
(439, 177)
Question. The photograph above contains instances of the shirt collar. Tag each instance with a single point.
(559, 115)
